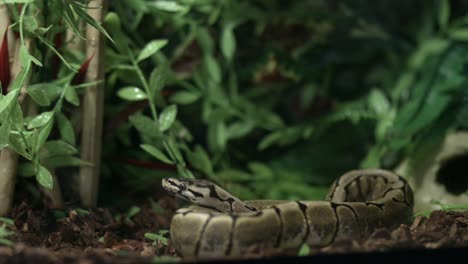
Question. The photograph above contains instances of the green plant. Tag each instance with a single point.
(443, 207)
(158, 237)
(46, 140)
(246, 93)
(236, 95)
(5, 232)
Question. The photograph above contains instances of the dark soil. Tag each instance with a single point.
(100, 237)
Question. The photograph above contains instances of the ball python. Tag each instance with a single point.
(358, 202)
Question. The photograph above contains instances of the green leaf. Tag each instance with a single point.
(16, 117)
(444, 14)
(171, 147)
(145, 125)
(40, 120)
(5, 134)
(433, 107)
(44, 133)
(134, 210)
(221, 135)
(184, 172)
(185, 97)
(58, 148)
(157, 79)
(112, 22)
(378, 102)
(239, 129)
(7, 100)
(304, 251)
(156, 237)
(199, 159)
(460, 34)
(80, 12)
(269, 140)
(35, 60)
(17, 1)
(50, 90)
(151, 48)
(65, 129)
(7, 220)
(16, 142)
(20, 79)
(44, 177)
(138, 5)
(432, 46)
(260, 171)
(6, 242)
(64, 161)
(233, 175)
(168, 6)
(71, 96)
(212, 68)
(205, 40)
(228, 42)
(167, 117)
(43, 30)
(156, 153)
(132, 93)
(82, 211)
(39, 96)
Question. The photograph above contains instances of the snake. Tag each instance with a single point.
(220, 224)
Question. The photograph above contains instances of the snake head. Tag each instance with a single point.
(179, 188)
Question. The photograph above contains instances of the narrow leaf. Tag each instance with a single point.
(39, 96)
(66, 129)
(58, 148)
(132, 93)
(7, 100)
(213, 68)
(444, 13)
(40, 120)
(228, 42)
(44, 177)
(167, 117)
(64, 161)
(71, 96)
(156, 153)
(168, 6)
(80, 12)
(151, 48)
(157, 79)
(145, 125)
(185, 97)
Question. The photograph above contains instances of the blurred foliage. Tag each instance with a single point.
(275, 99)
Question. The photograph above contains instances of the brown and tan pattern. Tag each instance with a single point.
(222, 225)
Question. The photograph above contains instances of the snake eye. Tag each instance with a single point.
(182, 187)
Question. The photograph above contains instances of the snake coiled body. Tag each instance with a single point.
(222, 225)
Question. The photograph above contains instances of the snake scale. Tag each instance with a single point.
(358, 202)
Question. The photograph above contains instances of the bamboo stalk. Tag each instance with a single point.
(91, 136)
